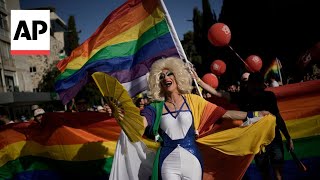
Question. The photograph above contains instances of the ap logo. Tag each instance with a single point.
(30, 32)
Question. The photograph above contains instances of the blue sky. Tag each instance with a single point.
(89, 14)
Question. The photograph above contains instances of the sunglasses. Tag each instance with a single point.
(163, 75)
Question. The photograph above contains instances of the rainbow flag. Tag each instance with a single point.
(299, 107)
(82, 145)
(64, 146)
(124, 46)
(274, 67)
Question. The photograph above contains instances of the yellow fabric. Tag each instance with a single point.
(197, 106)
(119, 99)
(236, 141)
(243, 140)
(303, 127)
(75, 152)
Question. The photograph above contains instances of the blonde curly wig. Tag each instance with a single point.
(181, 74)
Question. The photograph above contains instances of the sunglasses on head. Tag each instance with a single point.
(163, 75)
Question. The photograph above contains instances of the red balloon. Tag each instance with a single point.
(254, 62)
(210, 79)
(219, 34)
(218, 67)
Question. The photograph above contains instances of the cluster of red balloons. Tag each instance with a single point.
(217, 67)
(219, 35)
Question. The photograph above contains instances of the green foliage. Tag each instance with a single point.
(72, 36)
(209, 51)
(197, 29)
(90, 92)
(48, 79)
(197, 46)
(190, 49)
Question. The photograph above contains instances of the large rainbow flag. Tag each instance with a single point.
(64, 146)
(82, 145)
(125, 45)
(299, 107)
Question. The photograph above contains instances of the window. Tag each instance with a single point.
(9, 83)
(3, 22)
(33, 69)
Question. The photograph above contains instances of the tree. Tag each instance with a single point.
(205, 51)
(197, 29)
(90, 90)
(72, 36)
(209, 51)
(48, 79)
(189, 47)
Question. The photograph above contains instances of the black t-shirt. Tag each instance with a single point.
(265, 100)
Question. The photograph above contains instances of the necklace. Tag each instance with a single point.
(174, 105)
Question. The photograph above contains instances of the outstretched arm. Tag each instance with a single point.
(236, 115)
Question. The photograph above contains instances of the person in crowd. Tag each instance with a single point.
(141, 102)
(234, 93)
(273, 80)
(81, 104)
(101, 109)
(33, 108)
(4, 117)
(71, 107)
(173, 118)
(38, 114)
(259, 99)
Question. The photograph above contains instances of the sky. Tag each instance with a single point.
(89, 14)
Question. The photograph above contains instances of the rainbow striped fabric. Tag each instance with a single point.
(82, 145)
(125, 45)
(64, 146)
(299, 107)
(274, 67)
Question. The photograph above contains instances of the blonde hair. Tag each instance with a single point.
(181, 74)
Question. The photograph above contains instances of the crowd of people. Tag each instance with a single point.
(171, 85)
(251, 95)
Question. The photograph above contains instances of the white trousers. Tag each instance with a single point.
(181, 164)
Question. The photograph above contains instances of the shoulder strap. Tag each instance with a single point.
(158, 106)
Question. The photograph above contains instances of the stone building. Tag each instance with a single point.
(21, 75)
(8, 80)
(30, 69)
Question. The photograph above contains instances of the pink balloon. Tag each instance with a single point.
(211, 79)
(218, 67)
(219, 34)
(254, 62)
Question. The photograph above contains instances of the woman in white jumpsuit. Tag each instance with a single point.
(173, 125)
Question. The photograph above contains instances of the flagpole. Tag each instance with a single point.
(279, 71)
(177, 42)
